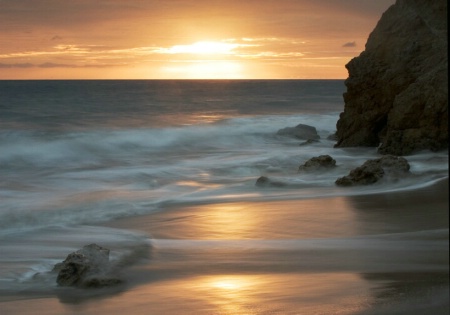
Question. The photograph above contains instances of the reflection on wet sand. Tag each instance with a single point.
(371, 254)
(280, 256)
(310, 218)
(268, 293)
(239, 294)
(284, 293)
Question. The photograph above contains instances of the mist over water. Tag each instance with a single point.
(75, 154)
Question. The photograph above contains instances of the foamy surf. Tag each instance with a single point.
(28, 258)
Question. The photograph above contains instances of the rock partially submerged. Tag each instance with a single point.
(308, 142)
(321, 162)
(388, 167)
(374, 170)
(264, 181)
(301, 131)
(88, 267)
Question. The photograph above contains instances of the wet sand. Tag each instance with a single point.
(401, 211)
(371, 254)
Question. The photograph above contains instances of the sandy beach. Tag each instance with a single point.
(367, 254)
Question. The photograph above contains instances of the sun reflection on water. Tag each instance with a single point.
(232, 294)
(231, 284)
(270, 220)
(337, 293)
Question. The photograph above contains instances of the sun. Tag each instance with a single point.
(204, 60)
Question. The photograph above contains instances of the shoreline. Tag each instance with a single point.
(175, 222)
(334, 255)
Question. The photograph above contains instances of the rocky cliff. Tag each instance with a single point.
(397, 89)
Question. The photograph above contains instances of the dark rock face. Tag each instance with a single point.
(301, 131)
(374, 170)
(87, 267)
(397, 89)
(321, 162)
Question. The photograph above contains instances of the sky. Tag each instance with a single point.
(183, 39)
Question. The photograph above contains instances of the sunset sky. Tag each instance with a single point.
(183, 39)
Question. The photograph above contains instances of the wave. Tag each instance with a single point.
(44, 148)
(98, 175)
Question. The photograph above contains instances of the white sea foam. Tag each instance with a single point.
(93, 176)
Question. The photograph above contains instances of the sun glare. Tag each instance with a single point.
(203, 60)
(203, 48)
(227, 285)
(205, 69)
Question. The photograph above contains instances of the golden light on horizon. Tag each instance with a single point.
(227, 58)
(205, 69)
(203, 48)
(185, 39)
(204, 60)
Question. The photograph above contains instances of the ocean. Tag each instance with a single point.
(77, 158)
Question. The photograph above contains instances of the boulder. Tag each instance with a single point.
(308, 142)
(321, 162)
(264, 181)
(301, 131)
(87, 267)
(397, 88)
(374, 170)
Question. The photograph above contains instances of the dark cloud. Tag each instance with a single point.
(16, 65)
(359, 7)
(62, 65)
(72, 15)
(56, 65)
(23, 14)
(50, 65)
(349, 44)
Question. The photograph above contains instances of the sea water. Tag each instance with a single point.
(76, 154)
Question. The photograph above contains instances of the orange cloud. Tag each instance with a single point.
(145, 39)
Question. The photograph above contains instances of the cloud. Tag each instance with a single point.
(16, 65)
(349, 44)
(97, 18)
(51, 65)
(55, 65)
